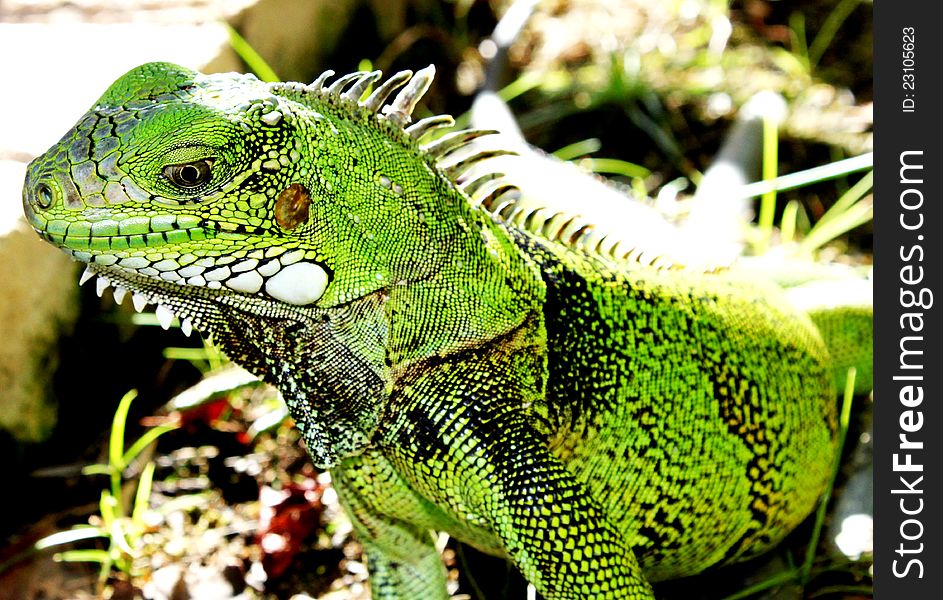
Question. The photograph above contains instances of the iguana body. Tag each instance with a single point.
(600, 421)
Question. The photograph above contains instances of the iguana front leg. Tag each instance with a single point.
(548, 524)
(401, 556)
(463, 445)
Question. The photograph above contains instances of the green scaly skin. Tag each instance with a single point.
(603, 423)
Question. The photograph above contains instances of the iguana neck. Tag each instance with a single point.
(446, 274)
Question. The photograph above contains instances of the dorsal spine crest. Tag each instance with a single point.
(485, 189)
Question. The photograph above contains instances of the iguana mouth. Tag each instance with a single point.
(277, 275)
(193, 304)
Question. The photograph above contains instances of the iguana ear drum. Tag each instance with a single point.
(291, 207)
(299, 284)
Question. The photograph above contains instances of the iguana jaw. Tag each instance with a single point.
(281, 274)
(260, 282)
(196, 307)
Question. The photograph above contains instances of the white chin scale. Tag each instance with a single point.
(286, 276)
(299, 284)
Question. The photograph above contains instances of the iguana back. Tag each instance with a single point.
(685, 398)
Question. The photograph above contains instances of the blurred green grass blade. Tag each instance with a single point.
(790, 221)
(145, 440)
(253, 59)
(848, 212)
(188, 354)
(206, 358)
(143, 494)
(116, 442)
(859, 214)
(106, 507)
(770, 170)
(849, 198)
(96, 469)
(120, 539)
(614, 166)
(777, 579)
(843, 420)
(521, 85)
(802, 178)
(800, 44)
(829, 28)
(77, 534)
(366, 65)
(578, 149)
(98, 556)
(662, 136)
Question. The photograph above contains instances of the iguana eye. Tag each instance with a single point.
(190, 175)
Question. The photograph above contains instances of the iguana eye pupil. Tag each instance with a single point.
(44, 196)
(190, 175)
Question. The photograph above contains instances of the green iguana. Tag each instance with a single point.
(601, 421)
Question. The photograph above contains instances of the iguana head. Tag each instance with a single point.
(227, 183)
(283, 219)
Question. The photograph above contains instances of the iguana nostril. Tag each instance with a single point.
(44, 195)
